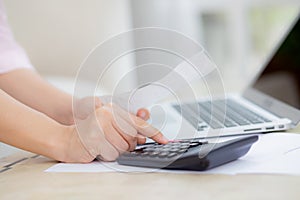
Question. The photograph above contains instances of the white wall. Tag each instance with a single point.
(58, 34)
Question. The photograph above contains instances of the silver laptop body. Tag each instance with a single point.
(270, 103)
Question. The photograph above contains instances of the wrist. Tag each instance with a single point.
(73, 149)
(58, 142)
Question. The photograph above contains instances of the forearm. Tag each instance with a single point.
(30, 130)
(29, 88)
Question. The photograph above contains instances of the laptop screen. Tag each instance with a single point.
(281, 77)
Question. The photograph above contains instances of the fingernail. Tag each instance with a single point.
(165, 140)
(142, 114)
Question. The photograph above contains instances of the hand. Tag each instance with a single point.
(82, 108)
(109, 132)
(85, 106)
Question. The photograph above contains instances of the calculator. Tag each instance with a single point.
(187, 154)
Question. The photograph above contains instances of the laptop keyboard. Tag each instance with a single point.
(218, 114)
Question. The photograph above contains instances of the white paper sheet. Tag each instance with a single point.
(274, 153)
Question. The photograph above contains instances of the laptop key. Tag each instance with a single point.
(229, 124)
(253, 117)
(219, 114)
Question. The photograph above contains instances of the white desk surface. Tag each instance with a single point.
(27, 180)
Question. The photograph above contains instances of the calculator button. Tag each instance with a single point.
(182, 150)
(171, 155)
(175, 146)
(145, 154)
(174, 143)
(163, 154)
(154, 153)
(165, 149)
(174, 149)
(184, 146)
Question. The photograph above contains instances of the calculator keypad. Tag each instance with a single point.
(169, 150)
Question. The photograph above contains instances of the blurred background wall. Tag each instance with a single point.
(238, 35)
(59, 34)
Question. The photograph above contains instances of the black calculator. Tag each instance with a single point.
(187, 154)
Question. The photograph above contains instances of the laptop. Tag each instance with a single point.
(270, 103)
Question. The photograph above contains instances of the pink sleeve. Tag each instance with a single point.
(12, 56)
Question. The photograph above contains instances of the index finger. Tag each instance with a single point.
(141, 126)
(148, 130)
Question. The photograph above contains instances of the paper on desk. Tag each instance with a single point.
(274, 153)
(196, 67)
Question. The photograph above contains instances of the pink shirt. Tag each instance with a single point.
(12, 56)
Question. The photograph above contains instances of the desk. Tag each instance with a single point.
(27, 180)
